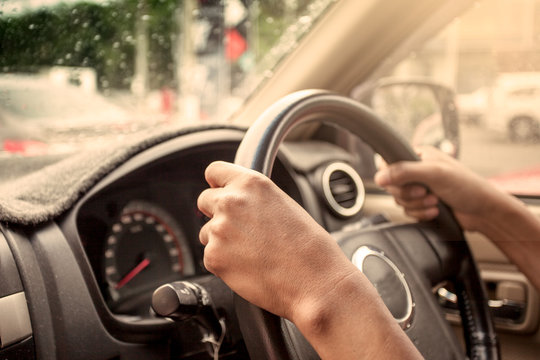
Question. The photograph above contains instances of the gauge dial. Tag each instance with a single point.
(144, 247)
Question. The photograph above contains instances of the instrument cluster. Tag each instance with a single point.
(142, 229)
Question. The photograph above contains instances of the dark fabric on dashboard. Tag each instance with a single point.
(35, 190)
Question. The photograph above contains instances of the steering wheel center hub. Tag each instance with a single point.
(388, 280)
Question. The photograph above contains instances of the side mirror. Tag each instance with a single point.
(423, 111)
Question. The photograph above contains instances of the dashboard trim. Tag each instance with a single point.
(125, 331)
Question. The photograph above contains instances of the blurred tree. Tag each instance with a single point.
(89, 35)
(103, 37)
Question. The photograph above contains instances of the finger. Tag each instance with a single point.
(407, 172)
(418, 204)
(380, 163)
(221, 173)
(214, 257)
(424, 214)
(204, 235)
(206, 202)
(408, 192)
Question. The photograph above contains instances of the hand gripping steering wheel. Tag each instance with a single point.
(418, 256)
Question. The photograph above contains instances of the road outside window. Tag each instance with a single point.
(490, 56)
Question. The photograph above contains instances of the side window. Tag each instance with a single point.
(490, 57)
(411, 109)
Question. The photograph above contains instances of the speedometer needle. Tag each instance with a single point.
(134, 272)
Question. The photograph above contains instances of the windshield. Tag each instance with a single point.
(166, 62)
(35, 100)
(489, 58)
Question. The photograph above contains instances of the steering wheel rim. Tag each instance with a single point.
(258, 150)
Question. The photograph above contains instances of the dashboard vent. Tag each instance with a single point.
(343, 189)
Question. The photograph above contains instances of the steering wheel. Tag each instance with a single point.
(415, 257)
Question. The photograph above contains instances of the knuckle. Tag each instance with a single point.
(399, 201)
(212, 261)
(203, 235)
(209, 170)
(413, 213)
(256, 181)
(413, 192)
(411, 205)
(230, 201)
(201, 200)
(208, 261)
(396, 172)
(401, 192)
(398, 193)
(213, 166)
(219, 229)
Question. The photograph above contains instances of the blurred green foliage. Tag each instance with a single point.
(91, 35)
(103, 37)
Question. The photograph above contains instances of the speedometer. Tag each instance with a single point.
(144, 248)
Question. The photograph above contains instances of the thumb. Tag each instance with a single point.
(404, 172)
(221, 173)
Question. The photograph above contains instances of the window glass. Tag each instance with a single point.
(98, 67)
(490, 57)
(412, 110)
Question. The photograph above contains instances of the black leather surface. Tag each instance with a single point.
(258, 151)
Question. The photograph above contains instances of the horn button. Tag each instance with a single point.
(389, 282)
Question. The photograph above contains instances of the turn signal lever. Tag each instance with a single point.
(184, 300)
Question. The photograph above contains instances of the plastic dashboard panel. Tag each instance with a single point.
(60, 262)
(170, 185)
(16, 339)
(171, 175)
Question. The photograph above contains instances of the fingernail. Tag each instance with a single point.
(382, 177)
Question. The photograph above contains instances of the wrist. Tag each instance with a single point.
(316, 312)
(476, 210)
(335, 323)
(497, 209)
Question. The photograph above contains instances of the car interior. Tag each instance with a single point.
(99, 249)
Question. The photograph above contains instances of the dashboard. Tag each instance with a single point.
(142, 230)
(88, 276)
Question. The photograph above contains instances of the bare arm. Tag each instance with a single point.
(273, 254)
(477, 204)
(516, 231)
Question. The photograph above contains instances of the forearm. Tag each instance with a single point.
(516, 231)
(353, 323)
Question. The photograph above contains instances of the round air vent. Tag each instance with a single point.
(343, 189)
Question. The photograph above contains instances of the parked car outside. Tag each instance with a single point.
(473, 106)
(515, 106)
(510, 106)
